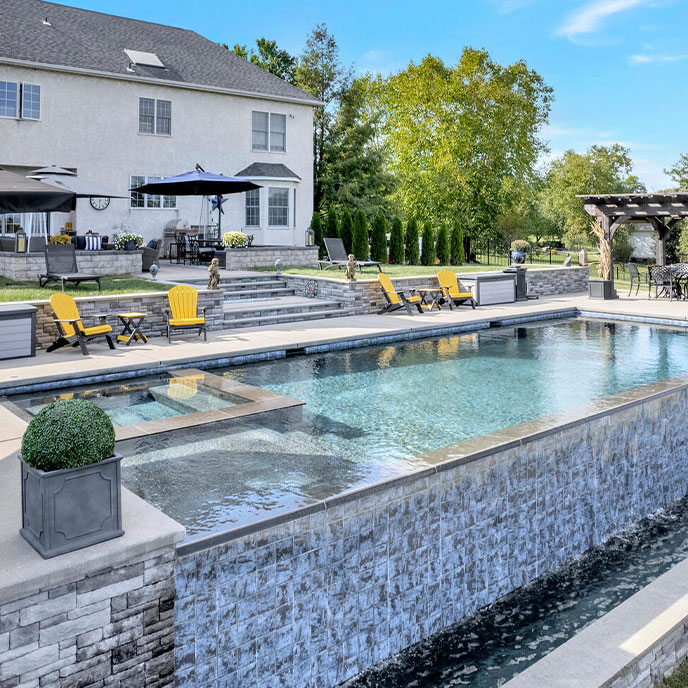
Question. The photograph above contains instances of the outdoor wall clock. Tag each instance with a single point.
(100, 203)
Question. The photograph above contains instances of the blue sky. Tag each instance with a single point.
(619, 68)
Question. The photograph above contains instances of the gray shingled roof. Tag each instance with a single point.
(83, 39)
(267, 169)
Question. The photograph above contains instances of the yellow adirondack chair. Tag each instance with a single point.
(70, 327)
(397, 299)
(183, 313)
(454, 292)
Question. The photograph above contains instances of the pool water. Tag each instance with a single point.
(139, 401)
(492, 646)
(371, 413)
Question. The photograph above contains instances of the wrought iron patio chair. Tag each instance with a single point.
(637, 277)
(61, 266)
(182, 243)
(659, 277)
(679, 277)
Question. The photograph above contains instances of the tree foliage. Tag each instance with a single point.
(268, 56)
(378, 239)
(411, 242)
(600, 170)
(456, 133)
(346, 230)
(332, 226)
(456, 252)
(679, 172)
(354, 172)
(442, 245)
(359, 245)
(427, 249)
(320, 72)
(316, 226)
(396, 242)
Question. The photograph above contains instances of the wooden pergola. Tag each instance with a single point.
(661, 210)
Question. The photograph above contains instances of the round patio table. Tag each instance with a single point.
(132, 327)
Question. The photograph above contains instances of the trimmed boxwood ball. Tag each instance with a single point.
(67, 434)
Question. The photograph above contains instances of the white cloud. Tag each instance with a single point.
(589, 17)
(508, 6)
(644, 59)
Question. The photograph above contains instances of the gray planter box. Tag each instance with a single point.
(71, 508)
(601, 289)
(17, 330)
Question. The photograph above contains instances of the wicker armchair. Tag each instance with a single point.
(151, 255)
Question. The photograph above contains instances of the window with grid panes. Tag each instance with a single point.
(278, 207)
(252, 205)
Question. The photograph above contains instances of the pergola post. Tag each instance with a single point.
(608, 238)
(660, 247)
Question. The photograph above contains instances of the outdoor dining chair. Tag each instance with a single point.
(659, 277)
(636, 277)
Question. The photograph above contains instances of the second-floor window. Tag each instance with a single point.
(155, 116)
(253, 208)
(269, 132)
(139, 200)
(20, 100)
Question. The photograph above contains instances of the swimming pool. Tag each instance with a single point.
(372, 413)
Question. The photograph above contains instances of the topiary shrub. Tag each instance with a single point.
(67, 434)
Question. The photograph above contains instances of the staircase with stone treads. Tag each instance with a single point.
(253, 298)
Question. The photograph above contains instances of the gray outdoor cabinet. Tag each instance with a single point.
(17, 330)
(491, 288)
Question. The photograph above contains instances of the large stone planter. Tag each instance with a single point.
(601, 289)
(72, 508)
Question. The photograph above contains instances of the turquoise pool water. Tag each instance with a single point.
(371, 413)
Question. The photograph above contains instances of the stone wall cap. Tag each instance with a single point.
(22, 570)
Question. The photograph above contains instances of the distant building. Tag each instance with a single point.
(123, 102)
(643, 240)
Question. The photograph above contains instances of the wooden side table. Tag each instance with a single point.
(132, 327)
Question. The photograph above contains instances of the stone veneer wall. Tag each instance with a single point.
(112, 628)
(265, 257)
(365, 296)
(153, 304)
(27, 266)
(322, 594)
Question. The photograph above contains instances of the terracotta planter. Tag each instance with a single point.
(69, 509)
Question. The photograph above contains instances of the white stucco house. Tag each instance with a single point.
(121, 101)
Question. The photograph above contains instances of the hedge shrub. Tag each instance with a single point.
(316, 226)
(456, 252)
(332, 226)
(66, 434)
(411, 242)
(378, 240)
(396, 243)
(442, 246)
(359, 243)
(427, 255)
(346, 230)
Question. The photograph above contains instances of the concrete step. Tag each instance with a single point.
(274, 319)
(257, 294)
(243, 285)
(289, 304)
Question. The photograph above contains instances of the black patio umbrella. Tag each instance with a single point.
(20, 194)
(198, 183)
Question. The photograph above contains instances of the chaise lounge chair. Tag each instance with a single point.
(60, 266)
(397, 299)
(183, 313)
(336, 254)
(71, 330)
(454, 292)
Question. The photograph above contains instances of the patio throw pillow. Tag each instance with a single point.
(93, 242)
(153, 243)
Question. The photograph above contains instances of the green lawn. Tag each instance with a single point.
(112, 284)
(394, 270)
(679, 679)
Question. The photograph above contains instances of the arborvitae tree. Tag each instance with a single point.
(456, 254)
(316, 226)
(378, 240)
(442, 246)
(396, 243)
(359, 245)
(346, 230)
(427, 255)
(332, 227)
(411, 242)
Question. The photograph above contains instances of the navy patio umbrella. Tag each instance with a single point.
(198, 183)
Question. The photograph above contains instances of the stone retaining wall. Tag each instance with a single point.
(265, 257)
(153, 304)
(114, 627)
(27, 266)
(365, 296)
(315, 597)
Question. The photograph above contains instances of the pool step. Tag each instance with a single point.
(285, 309)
